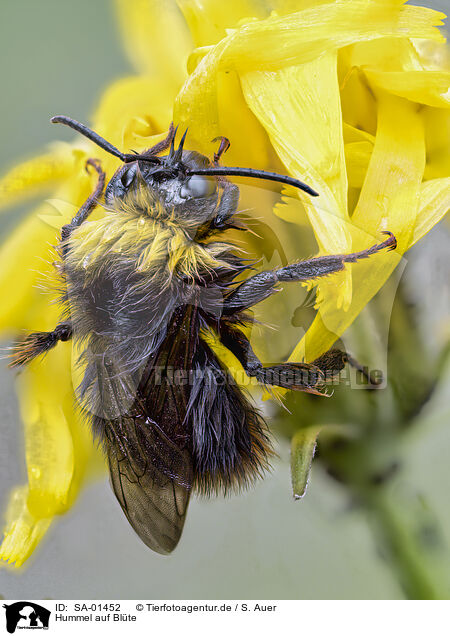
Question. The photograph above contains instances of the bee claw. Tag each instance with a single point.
(224, 145)
(391, 242)
(93, 163)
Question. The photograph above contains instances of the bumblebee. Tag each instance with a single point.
(142, 285)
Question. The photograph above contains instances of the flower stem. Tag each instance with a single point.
(410, 545)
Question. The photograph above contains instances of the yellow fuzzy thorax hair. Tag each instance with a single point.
(141, 231)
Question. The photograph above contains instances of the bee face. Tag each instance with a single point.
(190, 196)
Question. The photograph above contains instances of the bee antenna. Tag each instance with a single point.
(179, 153)
(258, 174)
(102, 143)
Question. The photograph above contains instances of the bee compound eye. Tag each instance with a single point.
(197, 187)
(128, 175)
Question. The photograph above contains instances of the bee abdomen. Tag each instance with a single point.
(230, 441)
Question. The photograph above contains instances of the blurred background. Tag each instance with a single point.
(375, 522)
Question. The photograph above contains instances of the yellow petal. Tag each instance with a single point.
(396, 65)
(22, 531)
(208, 20)
(359, 108)
(389, 201)
(282, 7)
(304, 35)
(425, 87)
(36, 175)
(58, 443)
(309, 142)
(22, 262)
(386, 54)
(357, 158)
(307, 139)
(437, 135)
(132, 115)
(352, 134)
(390, 195)
(433, 56)
(434, 204)
(25, 260)
(225, 114)
(44, 386)
(156, 39)
(59, 452)
(296, 38)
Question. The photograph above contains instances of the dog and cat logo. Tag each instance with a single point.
(26, 615)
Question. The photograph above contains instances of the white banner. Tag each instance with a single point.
(224, 617)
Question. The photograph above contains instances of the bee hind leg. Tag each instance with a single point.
(296, 376)
(37, 343)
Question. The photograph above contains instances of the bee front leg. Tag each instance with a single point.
(87, 207)
(301, 376)
(161, 145)
(35, 344)
(262, 285)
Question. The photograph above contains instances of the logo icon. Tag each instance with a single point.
(26, 615)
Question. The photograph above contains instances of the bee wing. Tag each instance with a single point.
(151, 478)
(148, 444)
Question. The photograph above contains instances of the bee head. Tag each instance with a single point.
(183, 181)
(170, 181)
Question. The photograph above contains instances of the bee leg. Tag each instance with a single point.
(161, 145)
(301, 376)
(290, 375)
(262, 285)
(87, 206)
(334, 360)
(38, 343)
(224, 145)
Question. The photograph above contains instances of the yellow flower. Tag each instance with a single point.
(351, 96)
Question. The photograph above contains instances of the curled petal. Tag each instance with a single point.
(389, 199)
(437, 134)
(434, 204)
(156, 39)
(425, 87)
(223, 111)
(58, 450)
(304, 35)
(23, 531)
(43, 388)
(36, 175)
(355, 90)
(357, 158)
(25, 262)
(309, 141)
(209, 20)
(131, 112)
(296, 38)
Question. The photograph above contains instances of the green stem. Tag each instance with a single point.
(403, 540)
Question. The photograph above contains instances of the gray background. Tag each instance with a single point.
(56, 57)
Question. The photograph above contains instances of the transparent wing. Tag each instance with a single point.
(149, 448)
(151, 478)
